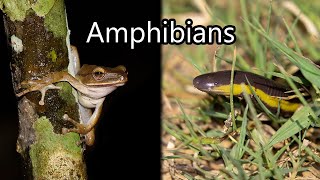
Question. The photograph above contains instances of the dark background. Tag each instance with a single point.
(128, 133)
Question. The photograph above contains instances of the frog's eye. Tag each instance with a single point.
(98, 74)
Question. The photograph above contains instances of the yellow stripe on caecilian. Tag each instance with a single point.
(225, 89)
(266, 98)
(274, 102)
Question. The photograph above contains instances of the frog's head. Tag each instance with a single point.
(92, 75)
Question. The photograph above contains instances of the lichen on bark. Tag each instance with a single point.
(18, 9)
(37, 32)
(55, 155)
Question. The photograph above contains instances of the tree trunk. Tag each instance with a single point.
(37, 32)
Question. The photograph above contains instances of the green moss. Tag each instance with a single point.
(52, 55)
(15, 9)
(66, 93)
(51, 141)
(52, 149)
(55, 20)
(42, 7)
(52, 10)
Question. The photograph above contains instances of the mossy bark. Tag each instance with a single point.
(37, 32)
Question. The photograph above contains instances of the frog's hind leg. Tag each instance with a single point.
(79, 128)
(82, 129)
(85, 129)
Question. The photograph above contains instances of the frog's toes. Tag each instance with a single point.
(21, 93)
(65, 130)
(67, 118)
(44, 90)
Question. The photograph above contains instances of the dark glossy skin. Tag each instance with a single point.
(269, 91)
(206, 82)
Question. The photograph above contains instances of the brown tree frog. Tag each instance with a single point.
(92, 83)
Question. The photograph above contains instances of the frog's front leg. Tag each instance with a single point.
(46, 83)
(42, 88)
(42, 85)
(85, 129)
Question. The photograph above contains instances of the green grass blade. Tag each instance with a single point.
(282, 150)
(296, 79)
(188, 121)
(240, 146)
(292, 37)
(234, 125)
(237, 164)
(299, 121)
(264, 108)
(309, 70)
